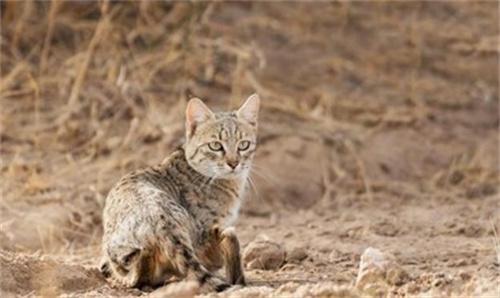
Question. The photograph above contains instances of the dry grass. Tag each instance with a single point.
(363, 103)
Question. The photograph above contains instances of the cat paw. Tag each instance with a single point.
(105, 269)
(216, 284)
(129, 281)
(222, 287)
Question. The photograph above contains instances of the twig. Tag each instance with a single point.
(496, 242)
(27, 9)
(104, 23)
(362, 169)
(36, 104)
(54, 6)
(134, 124)
(9, 79)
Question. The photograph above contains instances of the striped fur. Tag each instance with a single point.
(174, 220)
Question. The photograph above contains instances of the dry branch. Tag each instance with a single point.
(102, 28)
(54, 6)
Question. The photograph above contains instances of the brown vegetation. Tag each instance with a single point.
(379, 128)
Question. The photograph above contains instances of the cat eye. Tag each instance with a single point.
(243, 145)
(215, 146)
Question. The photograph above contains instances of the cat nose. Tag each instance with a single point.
(232, 164)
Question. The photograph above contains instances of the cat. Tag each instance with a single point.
(176, 220)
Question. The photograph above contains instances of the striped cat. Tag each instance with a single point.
(175, 220)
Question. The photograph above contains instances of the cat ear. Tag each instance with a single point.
(196, 113)
(249, 111)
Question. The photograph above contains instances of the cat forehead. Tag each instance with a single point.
(226, 116)
(227, 126)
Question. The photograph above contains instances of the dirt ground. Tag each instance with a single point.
(379, 128)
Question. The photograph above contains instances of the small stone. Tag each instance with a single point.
(436, 283)
(396, 276)
(263, 254)
(320, 264)
(297, 255)
(289, 267)
(412, 288)
(439, 275)
(377, 269)
(459, 263)
(333, 256)
(465, 275)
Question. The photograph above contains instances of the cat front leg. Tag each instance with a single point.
(230, 248)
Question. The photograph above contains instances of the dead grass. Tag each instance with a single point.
(363, 104)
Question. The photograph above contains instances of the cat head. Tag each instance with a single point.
(221, 145)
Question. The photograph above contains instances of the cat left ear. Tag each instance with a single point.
(196, 113)
(249, 111)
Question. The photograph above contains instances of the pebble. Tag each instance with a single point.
(378, 271)
(262, 253)
(297, 255)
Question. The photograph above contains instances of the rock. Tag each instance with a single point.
(263, 253)
(412, 288)
(297, 255)
(378, 271)
(396, 276)
(464, 275)
(458, 263)
(289, 267)
(334, 256)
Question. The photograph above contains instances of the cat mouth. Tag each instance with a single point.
(233, 173)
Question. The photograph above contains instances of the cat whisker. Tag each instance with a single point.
(264, 176)
(263, 172)
(254, 188)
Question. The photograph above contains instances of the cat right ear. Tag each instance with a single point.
(249, 111)
(196, 113)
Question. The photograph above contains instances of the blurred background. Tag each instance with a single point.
(379, 123)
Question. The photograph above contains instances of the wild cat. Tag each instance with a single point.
(175, 220)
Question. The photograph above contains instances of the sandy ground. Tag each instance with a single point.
(379, 129)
